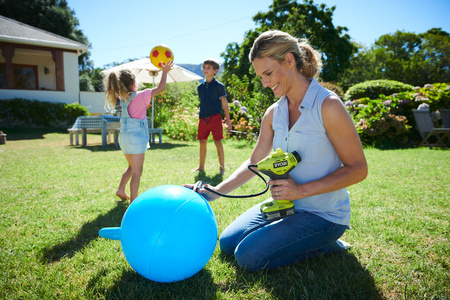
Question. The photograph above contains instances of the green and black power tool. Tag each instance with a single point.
(277, 165)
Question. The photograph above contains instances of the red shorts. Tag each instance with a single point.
(209, 125)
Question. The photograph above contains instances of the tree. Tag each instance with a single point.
(415, 59)
(86, 83)
(51, 15)
(362, 68)
(435, 56)
(91, 80)
(302, 20)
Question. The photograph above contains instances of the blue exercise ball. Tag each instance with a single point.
(167, 234)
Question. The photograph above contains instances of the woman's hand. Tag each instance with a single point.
(198, 187)
(285, 189)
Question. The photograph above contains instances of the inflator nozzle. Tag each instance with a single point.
(112, 233)
(297, 156)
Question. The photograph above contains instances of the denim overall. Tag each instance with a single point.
(134, 134)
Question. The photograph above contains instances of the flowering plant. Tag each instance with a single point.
(389, 119)
(242, 121)
(182, 125)
(375, 122)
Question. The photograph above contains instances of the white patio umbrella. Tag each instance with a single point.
(146, 72)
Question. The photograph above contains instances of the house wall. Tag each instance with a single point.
(47, 82)
(41, 59)
(71, 78)
(94, 101)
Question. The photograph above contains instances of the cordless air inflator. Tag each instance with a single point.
(277, 165)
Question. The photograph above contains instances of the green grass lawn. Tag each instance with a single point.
(55, 198)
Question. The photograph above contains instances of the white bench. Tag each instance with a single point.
(107, 128)
(93, 124)
(152, 132)
(76, 132)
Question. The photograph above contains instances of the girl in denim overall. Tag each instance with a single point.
(134, 134)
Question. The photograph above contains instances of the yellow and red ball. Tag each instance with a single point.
(160, 55)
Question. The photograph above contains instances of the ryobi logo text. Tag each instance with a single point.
(280, 164)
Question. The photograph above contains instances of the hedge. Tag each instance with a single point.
(20, 112)
(388, 122)
(374, 88)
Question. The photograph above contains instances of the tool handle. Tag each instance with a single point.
(274, 176)
(284, 176)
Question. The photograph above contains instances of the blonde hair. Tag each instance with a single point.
(118, 85)
(276, 44)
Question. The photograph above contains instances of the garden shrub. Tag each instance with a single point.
(34, 113)
(176, 110)
(374, 88)
(388, 121)
(182, 125)
(436, 95)
(247, 108)
(334, 88)
(176, 96)
(376, 124)
(243, 122)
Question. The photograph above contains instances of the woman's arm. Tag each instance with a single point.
(345, 140)
(242, 174)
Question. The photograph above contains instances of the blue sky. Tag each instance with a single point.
(198, 29)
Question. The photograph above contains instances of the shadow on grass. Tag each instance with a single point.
(17, 134)
(212, 180)
(112, 147)
(241, 145)
(335, 276)
(131, 285)
(87, 233)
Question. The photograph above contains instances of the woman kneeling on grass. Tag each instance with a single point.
(134, 134)
(311, 120)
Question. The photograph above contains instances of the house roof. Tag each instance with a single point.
(13, 31)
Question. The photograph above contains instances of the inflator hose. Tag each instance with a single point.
(200, 184)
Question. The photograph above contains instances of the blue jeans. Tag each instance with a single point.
(258, 244)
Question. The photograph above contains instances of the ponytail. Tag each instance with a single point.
(118, 85)
(310, 61)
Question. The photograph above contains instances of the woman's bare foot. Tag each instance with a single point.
(122, 195)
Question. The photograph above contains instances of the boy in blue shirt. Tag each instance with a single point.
(212, 99)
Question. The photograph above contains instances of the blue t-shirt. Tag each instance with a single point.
(210, 94)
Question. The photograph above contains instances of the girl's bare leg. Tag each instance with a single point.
(136, 164)
(123, 182)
